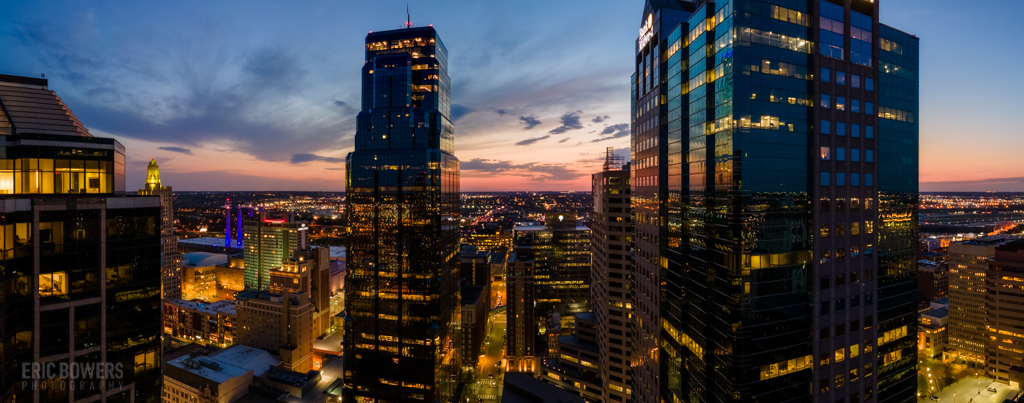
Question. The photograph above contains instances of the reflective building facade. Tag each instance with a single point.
(80, 260)
(402, 187)
(775, 192)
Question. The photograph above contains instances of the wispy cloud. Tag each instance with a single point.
(599, 119)
(301, 158)
(529, 121)
(176, 150)
(564, 140)
(535, 171)
(613, 132)
(460, 111)
(533, 140)
(570, 121)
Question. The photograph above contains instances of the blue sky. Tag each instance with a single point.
(263, 95)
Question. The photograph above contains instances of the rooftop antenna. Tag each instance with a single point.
(408, 18)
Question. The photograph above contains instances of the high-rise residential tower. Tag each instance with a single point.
(775, 195)
(611, 231)
(268, 243)
(171, 267)
(80, 259)
(402, 199)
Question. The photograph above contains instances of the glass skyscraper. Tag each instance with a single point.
(80, 260)
(402, 200)
(775, 194)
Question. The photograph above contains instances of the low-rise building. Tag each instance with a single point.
(200, 322)
(222, 377)
(199, 279)
(280, 323)
(932, 331)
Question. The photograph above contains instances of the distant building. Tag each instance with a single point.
(268, 243)
(199, 322)
(221, 377)
(231, 277)
(1004, 283)
(968, 263)
(199, 275)
(561, 254)
(475, 265)
(576, 367)
(610, 288)
(488, 238)
(520, 313)
(206, 244)
(475, 307)
(170, 271)
(932, 331)
(932, 280)
(81, 259)
(277, 323)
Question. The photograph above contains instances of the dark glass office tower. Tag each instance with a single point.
(402, 187)
(80, 261)
(775, 155)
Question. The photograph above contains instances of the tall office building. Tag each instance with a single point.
(170, 270)
(561, 254)
(775, 195)
(968, 264)
(402, 185)
(1004, 357)
(81, 261)
(610, 289)
(268, 243)
(521, 334)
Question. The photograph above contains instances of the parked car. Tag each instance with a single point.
(935, 398)
(991, 389)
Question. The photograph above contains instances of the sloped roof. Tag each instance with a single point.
(31, 108)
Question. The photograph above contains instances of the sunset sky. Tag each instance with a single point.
(263, 95)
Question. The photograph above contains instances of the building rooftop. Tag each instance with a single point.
(266, 296)
(31, 108)
(546, 228)
(524, 388)
(574, 342)
(937, 313)
(998, 239)
(208, 241)
(337, 252)
(226, 306)
(471, 294)
(228, 363)
(204, 259)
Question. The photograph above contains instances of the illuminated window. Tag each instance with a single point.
(53, 284)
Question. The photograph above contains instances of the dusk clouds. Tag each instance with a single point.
(529, 121)
(570, 121)
(266, 95)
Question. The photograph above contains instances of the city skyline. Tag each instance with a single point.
(209, 90)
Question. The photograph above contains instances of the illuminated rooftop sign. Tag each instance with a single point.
(647, 31)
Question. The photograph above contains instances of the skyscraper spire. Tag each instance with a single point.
(408, 17)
